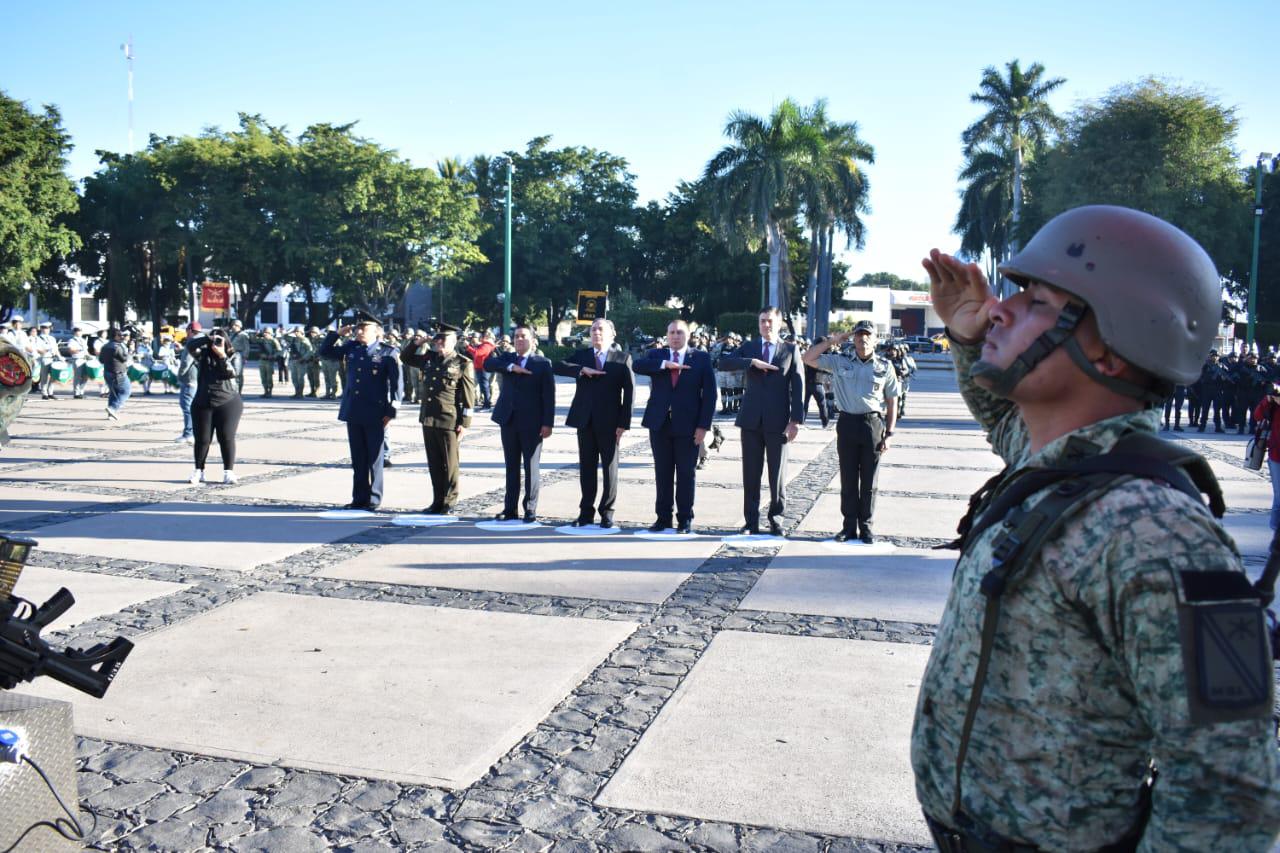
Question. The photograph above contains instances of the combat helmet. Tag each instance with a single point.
(1155, 293)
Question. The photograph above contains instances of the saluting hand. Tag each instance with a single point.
(515, 368)
(674, 365)
(343, 331)
(590, 371)
(762, 365)
(960, 295)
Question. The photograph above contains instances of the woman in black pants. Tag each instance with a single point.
(217, 404)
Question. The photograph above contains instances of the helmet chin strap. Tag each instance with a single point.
(1002, 380)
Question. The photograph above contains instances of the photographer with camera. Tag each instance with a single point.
(217, 405)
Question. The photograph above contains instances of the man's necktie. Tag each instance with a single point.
(675, 374)
(522, 361)
(767, 354)
(599, 361)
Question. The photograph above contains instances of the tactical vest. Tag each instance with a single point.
(1075, 486)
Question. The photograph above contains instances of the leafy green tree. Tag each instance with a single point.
(889, 280)
(985, 219)
(1160, 148)
(1017, 124)
(572, 229)
(36, 197)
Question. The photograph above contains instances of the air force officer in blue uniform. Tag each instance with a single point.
(370, 398)
(682, 401)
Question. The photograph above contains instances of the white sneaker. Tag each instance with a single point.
(191, 439)
(229, 477)
(182, 439)
(196, 478)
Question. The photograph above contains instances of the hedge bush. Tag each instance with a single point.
(555, 352)
(652, 319)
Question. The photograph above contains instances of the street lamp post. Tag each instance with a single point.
(506, 258)
(764, 269)
(1263, 160)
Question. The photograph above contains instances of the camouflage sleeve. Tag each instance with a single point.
(1219, 782)
(1004, 426)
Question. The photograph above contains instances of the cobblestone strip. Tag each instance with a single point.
(837, 627)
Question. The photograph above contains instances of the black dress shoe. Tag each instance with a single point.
(748, 530)
(659, 526)
(434, 509)
(685, 528)
(775, 529)
(354, 505)
(606, 523)
(844, 535)
(867, 538)
(530, 518)
(386, 463)
(581, 522)
(506, 516)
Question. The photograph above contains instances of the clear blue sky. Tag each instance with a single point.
(652, 82)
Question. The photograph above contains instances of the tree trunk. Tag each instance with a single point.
(1015, 211)
(811, 293)
(824, 280)
(775, 246)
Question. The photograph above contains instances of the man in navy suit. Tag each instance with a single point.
(682, 401)
(526, 410)
(370, 398)
(601, 413)
(769, 419)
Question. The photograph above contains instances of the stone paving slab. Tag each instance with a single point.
(712, 507)
(1234, 471)
(1252, 532)
(215, 536)
(18, 503)
(718, 470)
(1247, 494)
(786, 732)
(906, 436)
(131, 472)
(945, 458)
(96, 595)
(279, 450)
(929, 518)
(538, 562)
(389, 691)
(960, 482)
(405, 487)
(16, 454)
(905, 586)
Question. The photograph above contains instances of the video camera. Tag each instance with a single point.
(24, 656)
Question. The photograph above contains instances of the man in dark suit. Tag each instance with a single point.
(370, 398)
(601, 413)
(770, 416)
(525, 410)
(682, 401)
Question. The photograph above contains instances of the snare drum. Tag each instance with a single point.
(61, 372)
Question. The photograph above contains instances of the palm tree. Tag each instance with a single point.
(833, 190)
(751, 180)
(984, 221)
(1018, 122)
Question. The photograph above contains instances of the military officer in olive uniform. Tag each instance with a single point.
(300, 354)
(1099, 621)
(447, 391)
(866, 390)
(369, 402)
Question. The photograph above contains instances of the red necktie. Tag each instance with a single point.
(675, 374)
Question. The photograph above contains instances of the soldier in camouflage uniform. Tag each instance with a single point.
(301, 352)
(1093, 670)
(447, 391)
(269, 348)
(313, 366)
(241, 341)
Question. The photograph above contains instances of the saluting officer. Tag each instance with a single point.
(447, 391)
(370, 399)
(866, 388)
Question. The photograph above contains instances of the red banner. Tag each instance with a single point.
(215, 296)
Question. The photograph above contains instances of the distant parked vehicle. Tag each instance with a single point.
(920, 343)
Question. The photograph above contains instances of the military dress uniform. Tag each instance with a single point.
(372, 393)
(447, 394)
(862, 391)
(1088, 677)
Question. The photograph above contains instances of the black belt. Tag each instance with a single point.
(861, 414)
